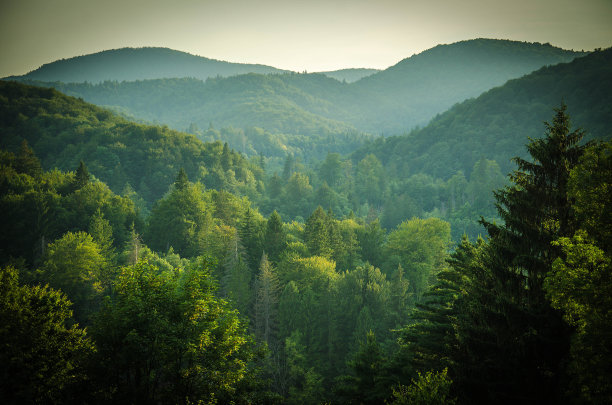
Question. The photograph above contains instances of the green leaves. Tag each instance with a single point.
(42, 357)
(170, 331)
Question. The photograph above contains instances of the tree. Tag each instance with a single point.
(316, 234)
(27, 162)
(236, 280)
(75, 265)
(275, 240)
(580, 284)
(166, 338)
(368, 383)
(266, 300)
(42, 359)
(430, 388)
(81, 177)
(180, 220)
(420, 246)
(525, 337)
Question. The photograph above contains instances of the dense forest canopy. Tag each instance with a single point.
(140, 264)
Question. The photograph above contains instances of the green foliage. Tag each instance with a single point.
(180, 220)
(167, 338)
(428, 389)
(368, 383)
(64, 131)
(42, 357)
(75, 265)
(420, 246)
(579, 283)
(266, 290)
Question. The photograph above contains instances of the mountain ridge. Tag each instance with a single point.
(396, 100)
(131, 64)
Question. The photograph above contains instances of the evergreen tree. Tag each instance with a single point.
(524, 339)
(236, 280)
(275, 240)
(26, 161)
(81, 177)
(266, 299)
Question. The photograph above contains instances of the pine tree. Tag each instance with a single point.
(266, 300)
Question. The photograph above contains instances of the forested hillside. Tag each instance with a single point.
(208, 300)
(129, 157)
(417, 88)
(392, 101)
(494, 125)
(128, 64)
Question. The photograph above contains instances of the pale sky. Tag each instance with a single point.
(312, 35)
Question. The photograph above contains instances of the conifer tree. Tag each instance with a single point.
(527, 340)
(266, 299)
(81, 177)
(274, 239)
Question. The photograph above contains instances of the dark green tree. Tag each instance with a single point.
(81, 177)
(527, 339)
(43, 358)
(275, 240)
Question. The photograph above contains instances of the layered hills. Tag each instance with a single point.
(395, 100)
(497, 124)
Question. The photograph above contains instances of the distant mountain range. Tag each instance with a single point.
(391, 101)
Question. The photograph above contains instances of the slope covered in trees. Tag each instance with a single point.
(215, 302)
(414, 90)
(138, 64)
(391, 101)
(494, 125)
(128, 156)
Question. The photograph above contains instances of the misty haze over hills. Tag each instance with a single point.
(273, 248)
(392, 101)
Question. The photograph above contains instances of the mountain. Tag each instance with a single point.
(128, 64)
(350, 75)
(282, 104)
(63, 130)
(414, 90)
(496, 125)
(392, 101)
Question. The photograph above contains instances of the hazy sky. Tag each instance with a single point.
(310, 35)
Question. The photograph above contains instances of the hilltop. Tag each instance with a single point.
(128, 64)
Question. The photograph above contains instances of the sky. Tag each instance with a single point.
(306, 35)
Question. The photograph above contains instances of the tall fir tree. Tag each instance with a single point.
(527, 336)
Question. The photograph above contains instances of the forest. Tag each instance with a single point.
(141, 264)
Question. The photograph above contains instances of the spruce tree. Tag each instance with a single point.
(81, 177)
(527, 340)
